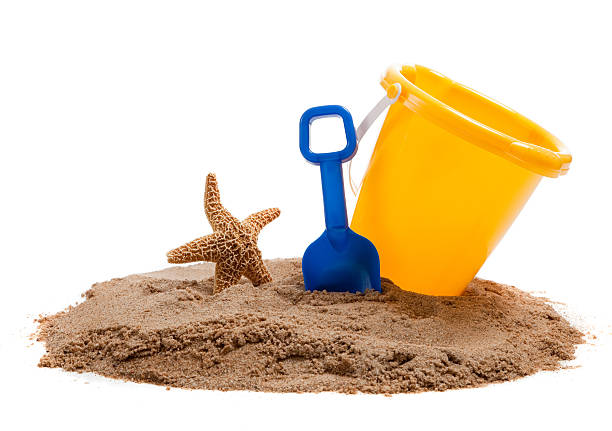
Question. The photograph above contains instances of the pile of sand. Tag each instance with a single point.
(167, 328)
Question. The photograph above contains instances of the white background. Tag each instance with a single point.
(112, 113)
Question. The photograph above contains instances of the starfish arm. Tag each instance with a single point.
(257, 221)
(218, 217)
(227, 273)
(257, 272)
(206, 248)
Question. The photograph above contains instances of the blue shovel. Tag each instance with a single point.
(339, 260)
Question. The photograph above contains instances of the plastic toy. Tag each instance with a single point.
(450, 172)
(339, 260)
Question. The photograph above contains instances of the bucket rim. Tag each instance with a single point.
(552, 160)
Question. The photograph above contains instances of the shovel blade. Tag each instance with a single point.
(353, 268)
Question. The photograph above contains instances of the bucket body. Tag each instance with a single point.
(450, 172)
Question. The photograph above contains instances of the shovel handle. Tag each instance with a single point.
(317, 112)
(334, 203)
(336, 221)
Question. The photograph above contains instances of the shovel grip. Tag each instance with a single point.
(317, 112)
(336, 220)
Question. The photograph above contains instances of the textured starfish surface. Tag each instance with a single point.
(232, 245)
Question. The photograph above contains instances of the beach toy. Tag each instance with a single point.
(450, 172)
(339, 260)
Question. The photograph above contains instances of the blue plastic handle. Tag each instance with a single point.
(336, 221)
(317, 112)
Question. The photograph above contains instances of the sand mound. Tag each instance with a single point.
(167, 328)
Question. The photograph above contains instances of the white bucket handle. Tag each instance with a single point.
(367, 122)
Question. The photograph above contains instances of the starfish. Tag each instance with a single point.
(232, 245)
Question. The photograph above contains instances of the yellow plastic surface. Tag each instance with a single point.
(450, 172)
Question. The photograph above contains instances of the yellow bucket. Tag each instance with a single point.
(450, 172)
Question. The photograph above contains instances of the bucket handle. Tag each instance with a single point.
(393, 94)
